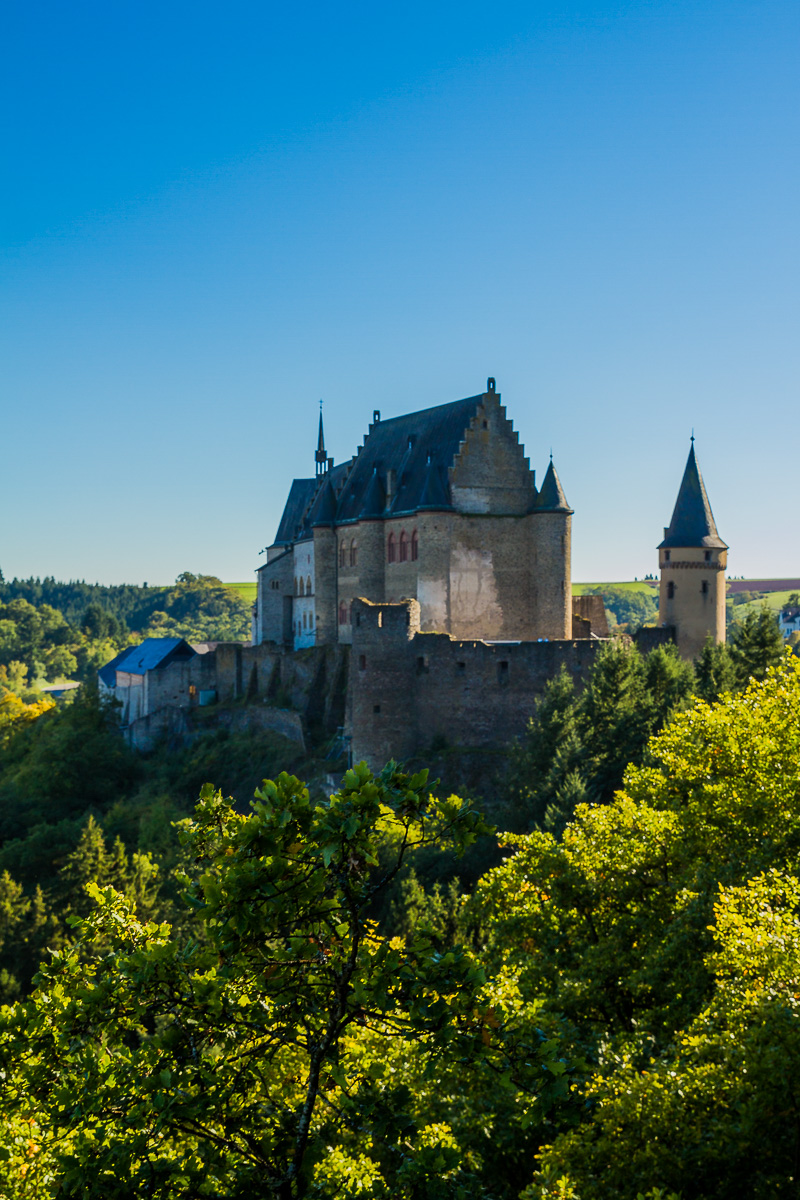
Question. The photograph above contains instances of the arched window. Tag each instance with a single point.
(304, 620)
(308, 586)
(310, 620)
(390, 548)
(342, 554)
(414, 546)
(343, 613)
(300, 591)
(350, 613)
(403, 547)
(353, 554)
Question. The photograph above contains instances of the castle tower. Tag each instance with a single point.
(692, 560)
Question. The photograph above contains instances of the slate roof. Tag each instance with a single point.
(300, 496)
(152, 653)
(692, 523)
(418, 448)
(405, 445)
(551, 496)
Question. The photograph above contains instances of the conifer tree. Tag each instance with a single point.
(757, 644)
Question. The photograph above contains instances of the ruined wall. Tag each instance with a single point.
(311, 682)
(592, 610)
(409, 687)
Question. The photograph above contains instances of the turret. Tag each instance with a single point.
(692, 560)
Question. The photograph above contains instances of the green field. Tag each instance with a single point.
(639, 585)
(246, 590)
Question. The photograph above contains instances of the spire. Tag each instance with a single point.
(551, 496)
(320, 457)
(692, 521)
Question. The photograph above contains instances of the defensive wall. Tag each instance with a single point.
(409, 687)
(310, 685)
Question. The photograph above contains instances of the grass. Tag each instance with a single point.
(246, 590)
(639, 585)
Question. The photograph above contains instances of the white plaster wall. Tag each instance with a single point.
(304, 615)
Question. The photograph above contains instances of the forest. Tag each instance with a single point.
(221, 977)
(51, 631)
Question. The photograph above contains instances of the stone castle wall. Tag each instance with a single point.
(409, 687)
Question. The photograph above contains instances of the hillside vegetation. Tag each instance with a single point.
(50, 631)
(278, 1000)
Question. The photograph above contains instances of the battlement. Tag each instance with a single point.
(408, 687)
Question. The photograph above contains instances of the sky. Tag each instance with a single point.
(214, 215)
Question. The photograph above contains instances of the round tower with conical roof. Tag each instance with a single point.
(692, 560)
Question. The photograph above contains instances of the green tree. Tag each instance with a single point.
(545, 763)
(630, 609)
(715, 670)
(756, 645)
(253, 1061)
(200, 608)
(612, 931)
(616, 716)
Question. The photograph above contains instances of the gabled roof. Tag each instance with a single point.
(692, 523)
(551, 496)
(151, 654)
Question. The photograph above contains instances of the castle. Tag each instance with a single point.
(440, 506)
(420, 592)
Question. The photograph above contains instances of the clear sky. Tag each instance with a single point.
(212, 215)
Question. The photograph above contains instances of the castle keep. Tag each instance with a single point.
(439, 506)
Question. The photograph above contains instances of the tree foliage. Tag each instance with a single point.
(250, 1060)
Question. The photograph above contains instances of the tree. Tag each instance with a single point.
(662, 933)
(201, 608)
(632, 609)
(548, 756)
(252, 1060)
(715, 670)
(756, 645)
(616, 716)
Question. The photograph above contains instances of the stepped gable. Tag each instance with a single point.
(551, 496)
(405, 445)
(692, 523)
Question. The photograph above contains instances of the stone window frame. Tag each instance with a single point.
(390, 549)
(342, 613)
(308, 586)
(414, 546)
(342, 554)
(353, 553)
(403, 547)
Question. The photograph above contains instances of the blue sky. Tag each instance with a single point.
(213, 215)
